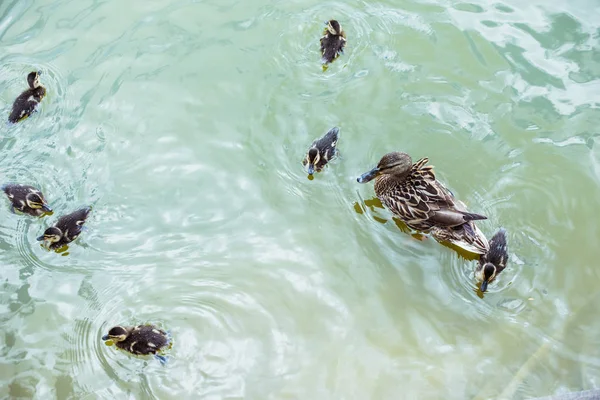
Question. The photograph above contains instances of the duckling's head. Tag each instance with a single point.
(116, 334)
(488, 273)
(33, 79)
(35, 201)
(51, 235)
(396, 164)
(334, 27)
(312, 158)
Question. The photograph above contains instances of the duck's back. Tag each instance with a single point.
(144, 339)
(331, 46)
(18, 191)
(73, 222)
(25, 104)
(498, 252)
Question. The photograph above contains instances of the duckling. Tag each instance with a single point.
(494, 261)
(67, 228)
(332, 42)
(322, 151)
(139, 340)
(27, 101)
(26, 199)
(412, 193)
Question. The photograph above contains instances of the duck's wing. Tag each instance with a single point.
(73, 223)
(327, 144)
(23, 106)
(444, 209)
(498, 252)
(331, 46)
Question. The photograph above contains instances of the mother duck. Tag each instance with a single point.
(412, 192)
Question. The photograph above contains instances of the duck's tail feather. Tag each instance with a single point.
(473, 216)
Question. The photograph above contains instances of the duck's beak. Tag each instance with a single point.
(105, 337)
(368, 176)
(39, 72)
(46, 208)
(484, 286)
(311, 169)
(41, 238)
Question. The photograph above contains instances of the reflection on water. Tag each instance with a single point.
(183, 123)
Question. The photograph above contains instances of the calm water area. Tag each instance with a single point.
(184, 124)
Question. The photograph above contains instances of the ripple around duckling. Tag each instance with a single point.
(48, 118)
(209, 321)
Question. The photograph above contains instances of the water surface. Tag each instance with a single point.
(183, 123)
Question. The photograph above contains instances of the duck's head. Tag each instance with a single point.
(51, 235)
(334, 27)
(33, 79)
(116, 334)
(396, 163)
(37, 202)
(312, 158)
(488, 273)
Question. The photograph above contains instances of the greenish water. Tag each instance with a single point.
(184, 124)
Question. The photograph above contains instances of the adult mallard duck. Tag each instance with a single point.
(494, 261)
(26, 199)
(332, 42)
(412, 193)
(140, 340)
(27, 101)
(322, 151)
(67, 228)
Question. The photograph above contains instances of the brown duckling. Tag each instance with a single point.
(322, 151)
(140, 340)
(67, 228)
(26, 199)
(332, 42)
(27, 101)
(494, 261)
(412, 192)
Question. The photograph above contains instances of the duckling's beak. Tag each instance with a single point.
(105, 337)
(39, 72)
(484, 286)
(47, 208)
(311, 169)
(40, 239)
(368, 176)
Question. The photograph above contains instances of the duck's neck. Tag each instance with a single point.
(385, 183)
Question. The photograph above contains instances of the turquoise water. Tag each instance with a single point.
(184, 123)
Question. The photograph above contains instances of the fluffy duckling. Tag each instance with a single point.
(139, 340)
(322, 151)
(26, 199)
(66, 229)
(412, 192)
(494, 261)
(332, 42)
(27, 101)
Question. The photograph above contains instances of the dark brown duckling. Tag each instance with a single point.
(139, 340)
(494, 261)
(26, 199)
(322, 151)
(66, 229)
(27, 101)
(333, 42)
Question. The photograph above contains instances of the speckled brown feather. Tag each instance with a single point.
(424, 204)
